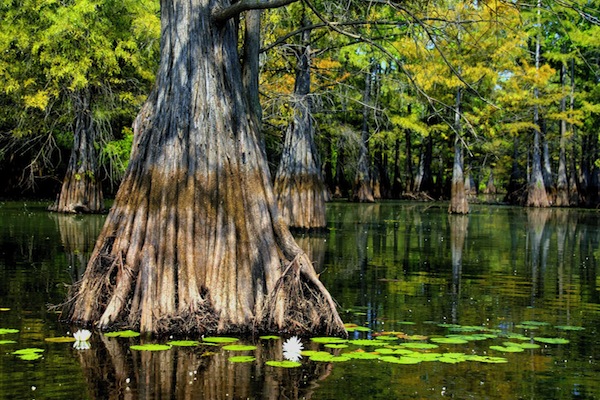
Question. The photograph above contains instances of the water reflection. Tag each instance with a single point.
(113, 371)
(386, 264)
(78, 234)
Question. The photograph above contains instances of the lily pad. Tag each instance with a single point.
(453, 358)
(7, 342)
(123, 334)
(361, 355)
(4, 331)
(220, 339)
(449, 340)
(284, 364)
(29, 354)
(387, 338)
(150, 347)
(467, 328)
(184, 343)
(415, 337)
(507, 349)
(328, 357)
(336, 345)
(426, 356)
(551, 340)
(488, 359)
(400, 360)
(420, 346)
(4, 309)
(517, 336)
(385, 350)
(535, 323)
(60, 339)
(355, 327)
(525, 345)
(328, 339)
(367, 342)
(269, 337)
(569, 328)
(474, 337)
(242, 359)
(239, 347)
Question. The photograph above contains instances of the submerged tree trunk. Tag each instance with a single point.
(299, 183)
(458, 198)
(81, 190)
(194, 242)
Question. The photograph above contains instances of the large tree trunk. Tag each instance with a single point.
(194, 242)
(81, 190)
(299, 183)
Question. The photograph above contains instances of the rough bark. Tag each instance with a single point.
(536, 190)
(299, 185)
(194, 242)
(81, 191)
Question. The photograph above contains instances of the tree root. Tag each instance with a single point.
(299, 303)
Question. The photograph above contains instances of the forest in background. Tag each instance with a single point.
(397, 93)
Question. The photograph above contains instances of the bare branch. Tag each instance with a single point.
(224, 14)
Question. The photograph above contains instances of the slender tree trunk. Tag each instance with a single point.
(81, 190)
(536, 190)
(363, 190)
(194, 241)
(299, 183)
(458, 198)
(574, 192)
(424, 179)
(562, 182)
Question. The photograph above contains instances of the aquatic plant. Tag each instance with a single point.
(292, 349)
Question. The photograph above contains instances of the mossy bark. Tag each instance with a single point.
(194, 241)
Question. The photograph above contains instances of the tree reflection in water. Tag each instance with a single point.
(113, 371)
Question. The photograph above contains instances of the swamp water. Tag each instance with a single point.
(506, 302)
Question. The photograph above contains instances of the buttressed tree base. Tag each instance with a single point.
(194, 242)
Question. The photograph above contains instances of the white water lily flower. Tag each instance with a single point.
(292, 348)
(82, 335)
(81, 345)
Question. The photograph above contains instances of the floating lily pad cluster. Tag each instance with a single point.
(389, 347)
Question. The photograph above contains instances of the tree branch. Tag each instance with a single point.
(223, 14)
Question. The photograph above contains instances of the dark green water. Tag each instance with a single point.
(401, 267)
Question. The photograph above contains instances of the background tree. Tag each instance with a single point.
(75, 71)
(299, 185)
